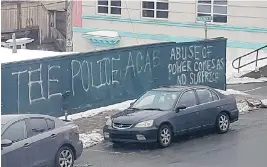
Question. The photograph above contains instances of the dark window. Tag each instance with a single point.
(109, 7)
(204, 1)
(155, 9)
(204, 8)
(16, 132)
(202, 14)
(220, 9)
(38, 125)
(163, 5)
(148, 13)
(148, 5)
(102, 9)
(103, 2)
(50, 124)
(204, 95)
(115, 11)
(116, 3)
(162, 14)
(220, 2)
(215, 8)
(188, 99)
(219, 18)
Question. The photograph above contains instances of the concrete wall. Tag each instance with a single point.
(100, 78)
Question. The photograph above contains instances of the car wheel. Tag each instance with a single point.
(164, 136)
(223, 122)
(64, 157)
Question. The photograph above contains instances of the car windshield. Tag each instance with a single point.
(157, 100)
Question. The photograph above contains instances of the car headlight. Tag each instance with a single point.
(109, 122)
(145, 124)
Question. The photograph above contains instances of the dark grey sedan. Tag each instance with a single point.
(161, 113)
(38, 141)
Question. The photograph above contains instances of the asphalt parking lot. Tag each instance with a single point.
(243, 146)
(258, 90)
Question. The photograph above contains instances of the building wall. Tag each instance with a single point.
(246, 28)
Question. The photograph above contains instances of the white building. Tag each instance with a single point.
(115, 23)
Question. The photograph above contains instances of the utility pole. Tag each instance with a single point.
(69, 33)
(206, 29)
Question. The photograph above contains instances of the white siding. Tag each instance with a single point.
(240, 14)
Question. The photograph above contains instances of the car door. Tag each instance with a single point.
(43, 142)
(17, 154)
(208, 106)
(185, 119)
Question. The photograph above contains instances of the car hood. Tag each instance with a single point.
(131, 116)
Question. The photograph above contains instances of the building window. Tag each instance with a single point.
(215, 8)
(112, 7)
(155, 8)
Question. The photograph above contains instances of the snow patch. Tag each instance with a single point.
(231, 92)
(110, 34)
(243, 106)
(264, 102)
(93, 112)
(241, 80)
(26, 54)
(91, 139)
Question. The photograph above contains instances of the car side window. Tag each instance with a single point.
(204, 95)
(37, 125)
(214, 96)
(50, 124)
(16, 132)
(188, 99)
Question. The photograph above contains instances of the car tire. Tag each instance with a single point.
(164, 136)
(64, 157)
(222, 122)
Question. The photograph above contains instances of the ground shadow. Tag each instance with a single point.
(130, 147)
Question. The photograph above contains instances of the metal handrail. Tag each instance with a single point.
(254, 61)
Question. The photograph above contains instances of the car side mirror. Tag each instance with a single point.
(181, 107)
(6, 143)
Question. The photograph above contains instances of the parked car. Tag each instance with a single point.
(34, 140)
(162, 113)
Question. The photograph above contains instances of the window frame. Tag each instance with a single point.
(26, 130)
(109, 8)
(212, 12)
(31, 134)
(155, 9)
(54, 123)
(211, 91)
(196, 98)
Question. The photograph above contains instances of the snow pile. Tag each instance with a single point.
(26, 54)
(247, 104)
(243, 106)
(93, 112)
(91, 139)
(264, 102)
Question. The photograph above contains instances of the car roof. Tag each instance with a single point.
(10, 117)
(180, 87)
